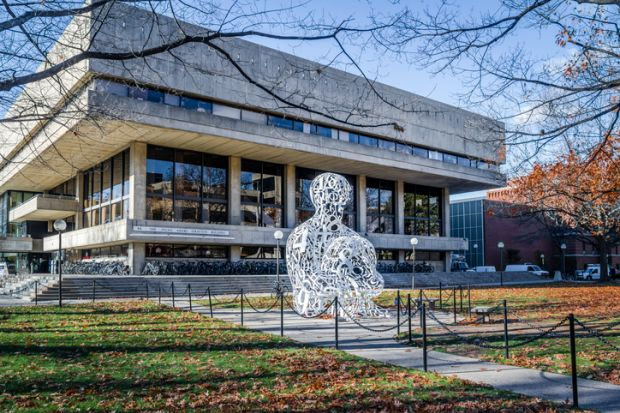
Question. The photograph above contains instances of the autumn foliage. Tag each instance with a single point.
(578, 193)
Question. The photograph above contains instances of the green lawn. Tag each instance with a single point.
(137, 356)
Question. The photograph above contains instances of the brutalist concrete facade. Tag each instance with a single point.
(98, 119)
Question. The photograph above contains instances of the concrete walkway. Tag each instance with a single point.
(595, 395)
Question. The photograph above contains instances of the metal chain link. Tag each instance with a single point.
(290, 305)
(261, 311)
(376, 330)
(598, 335)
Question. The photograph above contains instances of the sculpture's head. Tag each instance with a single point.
(330, 190)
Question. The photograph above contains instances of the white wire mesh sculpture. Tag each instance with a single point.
(326, 259)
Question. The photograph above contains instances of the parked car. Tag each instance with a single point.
(534, 269)
(459, 266)
(485, 268)
(592, 272)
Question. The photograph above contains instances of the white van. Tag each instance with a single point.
(534, 269)
(593, 272)
(486, 268)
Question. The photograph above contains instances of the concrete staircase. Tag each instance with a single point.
(25, 285)
(428, 280)
(109, 287)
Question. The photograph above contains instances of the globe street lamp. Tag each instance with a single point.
(60, 225)
(500, 247)
(278, 235)
(563, 249)
(542, 261)
(476, 256)
(413, 241)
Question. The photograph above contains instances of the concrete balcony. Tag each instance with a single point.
(44, 207)
(21, 244)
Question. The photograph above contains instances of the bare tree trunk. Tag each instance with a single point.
(603, 251)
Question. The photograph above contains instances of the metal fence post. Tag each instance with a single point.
(440, 291)
(210, 302)
(454, 303)
(147, 290)
(506, 330)
(241, 306)
(36, 293)
(159, 293)
(469, 299)
(94, 290)
(336, 320)
(424, 346)
(172, 288)
(397, 314)
(409, 317)
(573, 359)
(189, 295)
(281, 293)
(461, 294)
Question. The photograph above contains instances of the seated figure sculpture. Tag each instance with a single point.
(326, 259)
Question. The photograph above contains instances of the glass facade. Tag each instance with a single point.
(423, 210)
(186, 251)
(467, 221)
(106, 191)
(186, 186)
(303, 205)
(261, 193)
(379, 206)
(261, 253)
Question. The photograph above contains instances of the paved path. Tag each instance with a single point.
(381, 346)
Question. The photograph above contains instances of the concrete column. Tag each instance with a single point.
(234, 191)
(235, 253)
(361, 204)
(79, 195)
(400, 207)
(135, 257)
(137, 181)
(401, 256)
(445, 219)
(289, 196)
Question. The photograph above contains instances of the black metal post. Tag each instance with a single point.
(94, 290)
(573, 359)
(421, 295)
(397, 313)
(506, 354)
(336, 320)
(461, 293)
(440, 291)
(241, 306)
(172, 288)
(189, 295)
(409, 317)
(210, 303)
(36, 293)
(424, 346)
(454, 303)
(159, 293)
(469, 299)
(281, 313)
(147, 290)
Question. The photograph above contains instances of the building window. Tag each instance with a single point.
(196, 104)
(285, 123)
(260, 253)
(261, 193)
(186, 251)
(106, 191)
(422, 210)
(386, 255)
(422, 256)
(186, 186)
(417, 151)
(303, 205)
(67, 188)
(321, 131)
(447, 158)
(388, 145)
(379, 206)
(368, 141)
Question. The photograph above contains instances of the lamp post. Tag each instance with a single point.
(500, 247)
(542, 261)
(476, 256)
(278, 235)
(413, 241)
(563, 249)
(60, 225)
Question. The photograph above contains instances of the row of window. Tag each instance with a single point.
(106, 191)
(186, 251)
(202, 105)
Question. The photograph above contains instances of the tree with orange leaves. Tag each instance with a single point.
(577, 194)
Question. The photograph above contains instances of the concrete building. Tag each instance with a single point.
(180, 157)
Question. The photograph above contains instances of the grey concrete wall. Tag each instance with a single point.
(137, 180)
(234, 190)
(424, 121)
